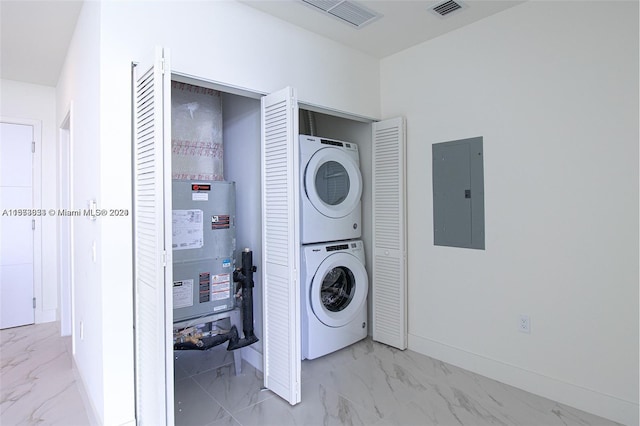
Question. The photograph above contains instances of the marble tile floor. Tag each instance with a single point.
(365, 384)
(37, 381)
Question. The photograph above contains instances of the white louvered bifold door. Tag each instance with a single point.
(389, 278)
(152, 241)
(281, 244)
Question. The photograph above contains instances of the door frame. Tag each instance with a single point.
(36, 126)
(65, 228)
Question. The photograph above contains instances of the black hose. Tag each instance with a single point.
(244, 276)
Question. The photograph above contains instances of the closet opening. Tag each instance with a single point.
(231, 152)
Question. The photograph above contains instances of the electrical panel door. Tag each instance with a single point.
(458, 193)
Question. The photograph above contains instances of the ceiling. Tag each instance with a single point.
(403, 23)
(34, 37)
(35, 34)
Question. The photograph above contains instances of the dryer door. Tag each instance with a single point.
(332, 182)
(339, 289)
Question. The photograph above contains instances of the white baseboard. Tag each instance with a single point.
(252, 356)
(600, 404)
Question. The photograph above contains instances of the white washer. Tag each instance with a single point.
(330, 190)
(334, 297)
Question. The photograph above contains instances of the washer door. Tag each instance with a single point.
(339, 289)
(332, 182)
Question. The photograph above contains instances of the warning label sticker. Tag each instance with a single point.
(220, 221)
(220, 287)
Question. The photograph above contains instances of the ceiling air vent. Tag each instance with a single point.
(444, 9)
(347, 11)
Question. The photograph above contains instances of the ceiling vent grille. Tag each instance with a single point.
(347, 11)
(444, 9)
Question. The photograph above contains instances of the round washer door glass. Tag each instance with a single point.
(339, 289)
(333, 182)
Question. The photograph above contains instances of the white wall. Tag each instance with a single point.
(234, 44)
(35, 102)
(553, 89)
(79, 89)
(242, 164)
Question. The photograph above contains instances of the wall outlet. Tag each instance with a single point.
(524, 324)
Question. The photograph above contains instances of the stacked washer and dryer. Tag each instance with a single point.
(334, 279)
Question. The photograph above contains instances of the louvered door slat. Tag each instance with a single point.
(280, 245)
(153, 352)
(388, 282)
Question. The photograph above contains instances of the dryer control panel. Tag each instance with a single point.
(347, 145)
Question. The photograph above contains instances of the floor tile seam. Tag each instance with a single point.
(228, 413)
(210, 369)
(232, 415)
(220, 420)
(182, 379)
(262, 389)
(235, 413)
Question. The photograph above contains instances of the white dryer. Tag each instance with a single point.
(334, 297)
(331, 187)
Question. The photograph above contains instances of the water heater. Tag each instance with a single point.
(204, 242)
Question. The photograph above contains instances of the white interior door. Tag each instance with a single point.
(281, 244)
(389, 278)
(152, 242)
(17, 225)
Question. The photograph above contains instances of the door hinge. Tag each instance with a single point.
(34, 303)
(162, 66)
(33, 224)
(33, 147)
(164, 258)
